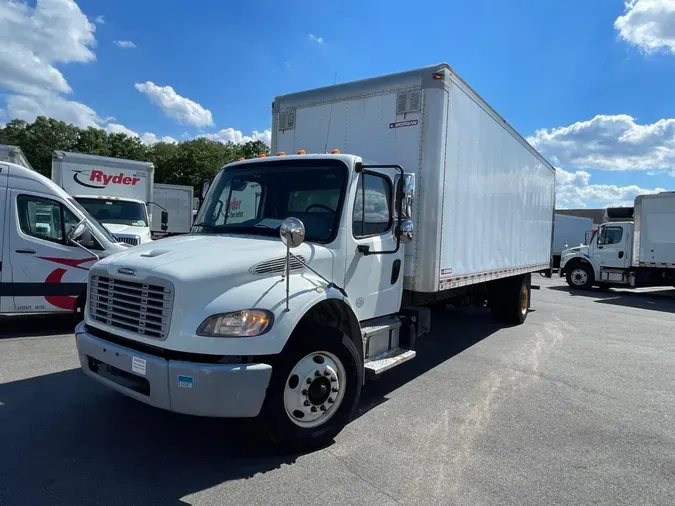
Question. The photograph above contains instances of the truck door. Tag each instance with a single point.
(6, 302)
(374, 281)
(47, 273)
(612, 248)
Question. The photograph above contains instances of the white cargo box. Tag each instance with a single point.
(177, 200)
(485, 198)
(654, 238)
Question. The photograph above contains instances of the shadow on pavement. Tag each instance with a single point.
(67, 440)
(662, 300)
(36, 325)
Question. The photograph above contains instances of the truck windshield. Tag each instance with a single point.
(118, 212)
(255, 198)
(94, 222)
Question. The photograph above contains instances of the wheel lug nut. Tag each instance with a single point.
(334, 390)
(330, 401)
(313, 409)
(309, 381)
(326, 373)
(317, 373)
(304, 392)
(333, 380)
(322, 408)
(306, 403)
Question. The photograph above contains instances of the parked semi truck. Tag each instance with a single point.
(569, 231)
(635, 248)
(47, 243)
(117, 192)
(282, 306)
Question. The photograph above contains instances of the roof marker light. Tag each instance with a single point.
(302, 152)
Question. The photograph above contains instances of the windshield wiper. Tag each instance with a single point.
(205, 225)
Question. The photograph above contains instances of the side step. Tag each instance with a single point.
(385, 361)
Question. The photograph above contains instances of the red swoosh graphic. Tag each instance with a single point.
(61, 301)
(70, 262)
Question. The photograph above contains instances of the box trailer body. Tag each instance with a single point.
(306, 273)
(115, 191)
(178, 202)
(569, 231)
(13, 154)
(635, 248)
(485, 197)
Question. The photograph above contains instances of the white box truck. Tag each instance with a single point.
(569, 231)
(177, 200)
(306, 274)
(48, 242)
(625, 251)
(117, 192)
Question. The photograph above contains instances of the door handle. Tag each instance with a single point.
(620, 254)
(29, 251)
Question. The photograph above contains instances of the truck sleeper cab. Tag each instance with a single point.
(284, 297)
(47, 244)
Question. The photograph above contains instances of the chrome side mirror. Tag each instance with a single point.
(292, 232)
(77, 231)
(406, 205)
(407, 231)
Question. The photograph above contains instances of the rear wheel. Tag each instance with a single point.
(511, 302)
(580, 276)
(315, 386)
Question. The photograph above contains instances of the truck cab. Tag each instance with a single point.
(607, 258)
(48, 242)
(263, 307)
(126, 218)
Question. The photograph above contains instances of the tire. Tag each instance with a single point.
(298, 398)
(511, 303)
(580, 277)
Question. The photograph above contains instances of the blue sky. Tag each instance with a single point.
(590, 83)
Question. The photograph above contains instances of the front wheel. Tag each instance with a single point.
(315, 386)
(580, 276)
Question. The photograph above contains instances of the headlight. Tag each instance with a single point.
(245, 323)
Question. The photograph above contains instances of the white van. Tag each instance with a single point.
(48, 242)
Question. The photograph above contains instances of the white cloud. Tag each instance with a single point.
(314, 38)
(648, 24)
(574, 190)
(125, 44)
(34, 39)
(29, 107)
(150, 139)
(100, 20)
(610, 143)
(231, 135)
(175, 106)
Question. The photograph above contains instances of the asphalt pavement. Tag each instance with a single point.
(576, 406)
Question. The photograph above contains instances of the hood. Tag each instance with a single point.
(117, 228)
(575, 249)
(200, 258)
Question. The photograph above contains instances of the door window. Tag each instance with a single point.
(372, 209)
(41, 218)
(610, 235)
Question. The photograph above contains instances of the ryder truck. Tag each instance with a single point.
(284, 311)
(116, 192)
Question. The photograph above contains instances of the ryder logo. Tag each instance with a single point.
(99, 179)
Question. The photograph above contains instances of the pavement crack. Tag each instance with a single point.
(359, 476)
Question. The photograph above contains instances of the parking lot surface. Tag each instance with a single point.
(576, 406)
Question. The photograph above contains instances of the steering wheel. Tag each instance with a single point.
(321, 206)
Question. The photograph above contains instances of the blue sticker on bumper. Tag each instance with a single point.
(186, 381)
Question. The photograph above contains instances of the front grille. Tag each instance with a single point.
(134, 240)
(136, 307)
